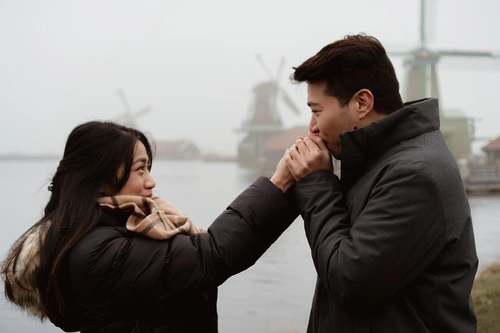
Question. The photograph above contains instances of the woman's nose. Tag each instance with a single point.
(150, 182)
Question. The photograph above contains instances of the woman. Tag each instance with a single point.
(109, 256)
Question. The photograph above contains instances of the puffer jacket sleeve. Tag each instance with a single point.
(245, 230)
(234, 241)
(398, 234)
(146, 270)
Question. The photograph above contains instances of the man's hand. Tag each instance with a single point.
(308, 155)
(282, 177)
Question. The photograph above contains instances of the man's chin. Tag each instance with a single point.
(337, 155)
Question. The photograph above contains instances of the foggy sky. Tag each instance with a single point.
(194, 62)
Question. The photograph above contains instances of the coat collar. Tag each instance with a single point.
(113, 217)
(362, 145)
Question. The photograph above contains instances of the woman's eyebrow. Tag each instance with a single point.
(141, 159)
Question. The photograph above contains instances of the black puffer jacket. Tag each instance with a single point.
(118, 281)
(392, 241)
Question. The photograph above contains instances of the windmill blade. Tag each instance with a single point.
(422, 25)
(124, 101)
(280, 68)
(399, 54)
(478, 60)
(288, 101)
(122, 119)
(428, 13)
(128, 118)
(465, 53)
(143, 111)
(264, 66)
(425, 23)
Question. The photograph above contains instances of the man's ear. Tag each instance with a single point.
(364, 101)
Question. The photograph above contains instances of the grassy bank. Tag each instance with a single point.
(486, 295)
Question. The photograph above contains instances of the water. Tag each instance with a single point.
(272, 296)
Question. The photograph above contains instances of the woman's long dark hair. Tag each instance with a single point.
(93, 154)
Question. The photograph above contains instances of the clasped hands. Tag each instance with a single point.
(307, 155)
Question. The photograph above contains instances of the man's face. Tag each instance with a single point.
(328, 118)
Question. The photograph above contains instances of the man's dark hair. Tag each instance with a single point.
(350, 64)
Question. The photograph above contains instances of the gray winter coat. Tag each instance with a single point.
(392, 241)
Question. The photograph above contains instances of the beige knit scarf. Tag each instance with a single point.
(152, 217)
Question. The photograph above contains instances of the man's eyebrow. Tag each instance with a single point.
(312, 104)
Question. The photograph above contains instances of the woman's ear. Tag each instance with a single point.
(104, 191)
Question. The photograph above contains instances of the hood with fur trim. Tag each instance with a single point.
(20, 271)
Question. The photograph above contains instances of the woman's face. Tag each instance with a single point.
(140, 182)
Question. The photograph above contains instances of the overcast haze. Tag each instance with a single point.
(62, 62)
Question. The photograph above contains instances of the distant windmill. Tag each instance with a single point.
(421, 81)
(263, 114)
(263, 119)
(128, 118)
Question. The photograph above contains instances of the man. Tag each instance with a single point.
(392, 240)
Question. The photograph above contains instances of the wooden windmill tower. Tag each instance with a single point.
(422, 81)
(263, 120)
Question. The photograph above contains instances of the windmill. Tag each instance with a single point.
(421, 81)
(263, 120)
(128, 118)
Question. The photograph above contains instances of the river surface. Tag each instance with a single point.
(272, 296)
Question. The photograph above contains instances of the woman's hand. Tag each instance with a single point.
(308, 155)
(282, 177)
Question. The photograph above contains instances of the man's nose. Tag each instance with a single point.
(313, 126)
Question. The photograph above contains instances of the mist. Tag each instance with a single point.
(193, 63)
